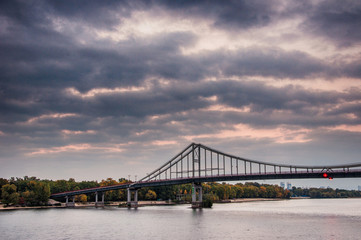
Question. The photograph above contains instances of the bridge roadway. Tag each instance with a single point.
(198, 163)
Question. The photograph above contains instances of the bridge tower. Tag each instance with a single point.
(197, 203)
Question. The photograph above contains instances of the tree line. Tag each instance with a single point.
(31, 191)
(324, 193)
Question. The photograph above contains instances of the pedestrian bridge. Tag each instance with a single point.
(198, 163)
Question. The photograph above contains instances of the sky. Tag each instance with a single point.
(98, 89)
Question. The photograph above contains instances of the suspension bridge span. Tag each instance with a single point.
(198, 163)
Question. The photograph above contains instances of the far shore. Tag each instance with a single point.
(140, 203)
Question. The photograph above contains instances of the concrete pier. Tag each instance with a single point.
(97, 203)
(130, 203)
(70, 204)
(197, 203)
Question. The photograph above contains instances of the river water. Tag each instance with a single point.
(288, 219)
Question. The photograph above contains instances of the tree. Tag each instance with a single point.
(112, 195)
(9, 194)
(29, 198)
(3, 182)
(42, 192)
(60, 186)
(38, 193)
(150, 195)
(263, 192)
(81, 198)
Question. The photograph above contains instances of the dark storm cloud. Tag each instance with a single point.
(26, 13)
(101, 14)
(36, 69)
(272, 62)
(36, 55)
(230, 14)
(181, 102)
(129, 63)
(334, 20)
(123, 115)
(338, 21)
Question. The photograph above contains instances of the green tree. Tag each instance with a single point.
(60, 186)
(3, 182)
(37, 194)
(42, 193)
(29, 198)
(9, 194)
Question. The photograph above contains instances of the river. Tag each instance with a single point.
(287, 219)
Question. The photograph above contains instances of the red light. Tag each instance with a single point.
(325, 175)
(330, 178)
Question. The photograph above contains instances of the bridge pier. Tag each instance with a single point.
(197, 203)
(69, 204)
(130, 203)
(97, 203)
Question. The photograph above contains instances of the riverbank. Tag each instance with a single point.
(2, 208)
(90, 204)
(240, 200)
(140, 204)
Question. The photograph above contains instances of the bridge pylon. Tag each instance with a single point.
(99, 203)
(132, 203)
(197, 202)
(70, 204)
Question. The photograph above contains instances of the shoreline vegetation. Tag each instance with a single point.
(26, 192)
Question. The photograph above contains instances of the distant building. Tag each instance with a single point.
(289, 186)
(282, 185)
(359, 188)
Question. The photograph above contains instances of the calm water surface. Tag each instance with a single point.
(290, 219)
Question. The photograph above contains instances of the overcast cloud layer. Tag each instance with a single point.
(96, 89)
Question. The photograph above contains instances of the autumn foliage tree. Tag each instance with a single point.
(113, 195)
(151, 195)
(81, 198)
